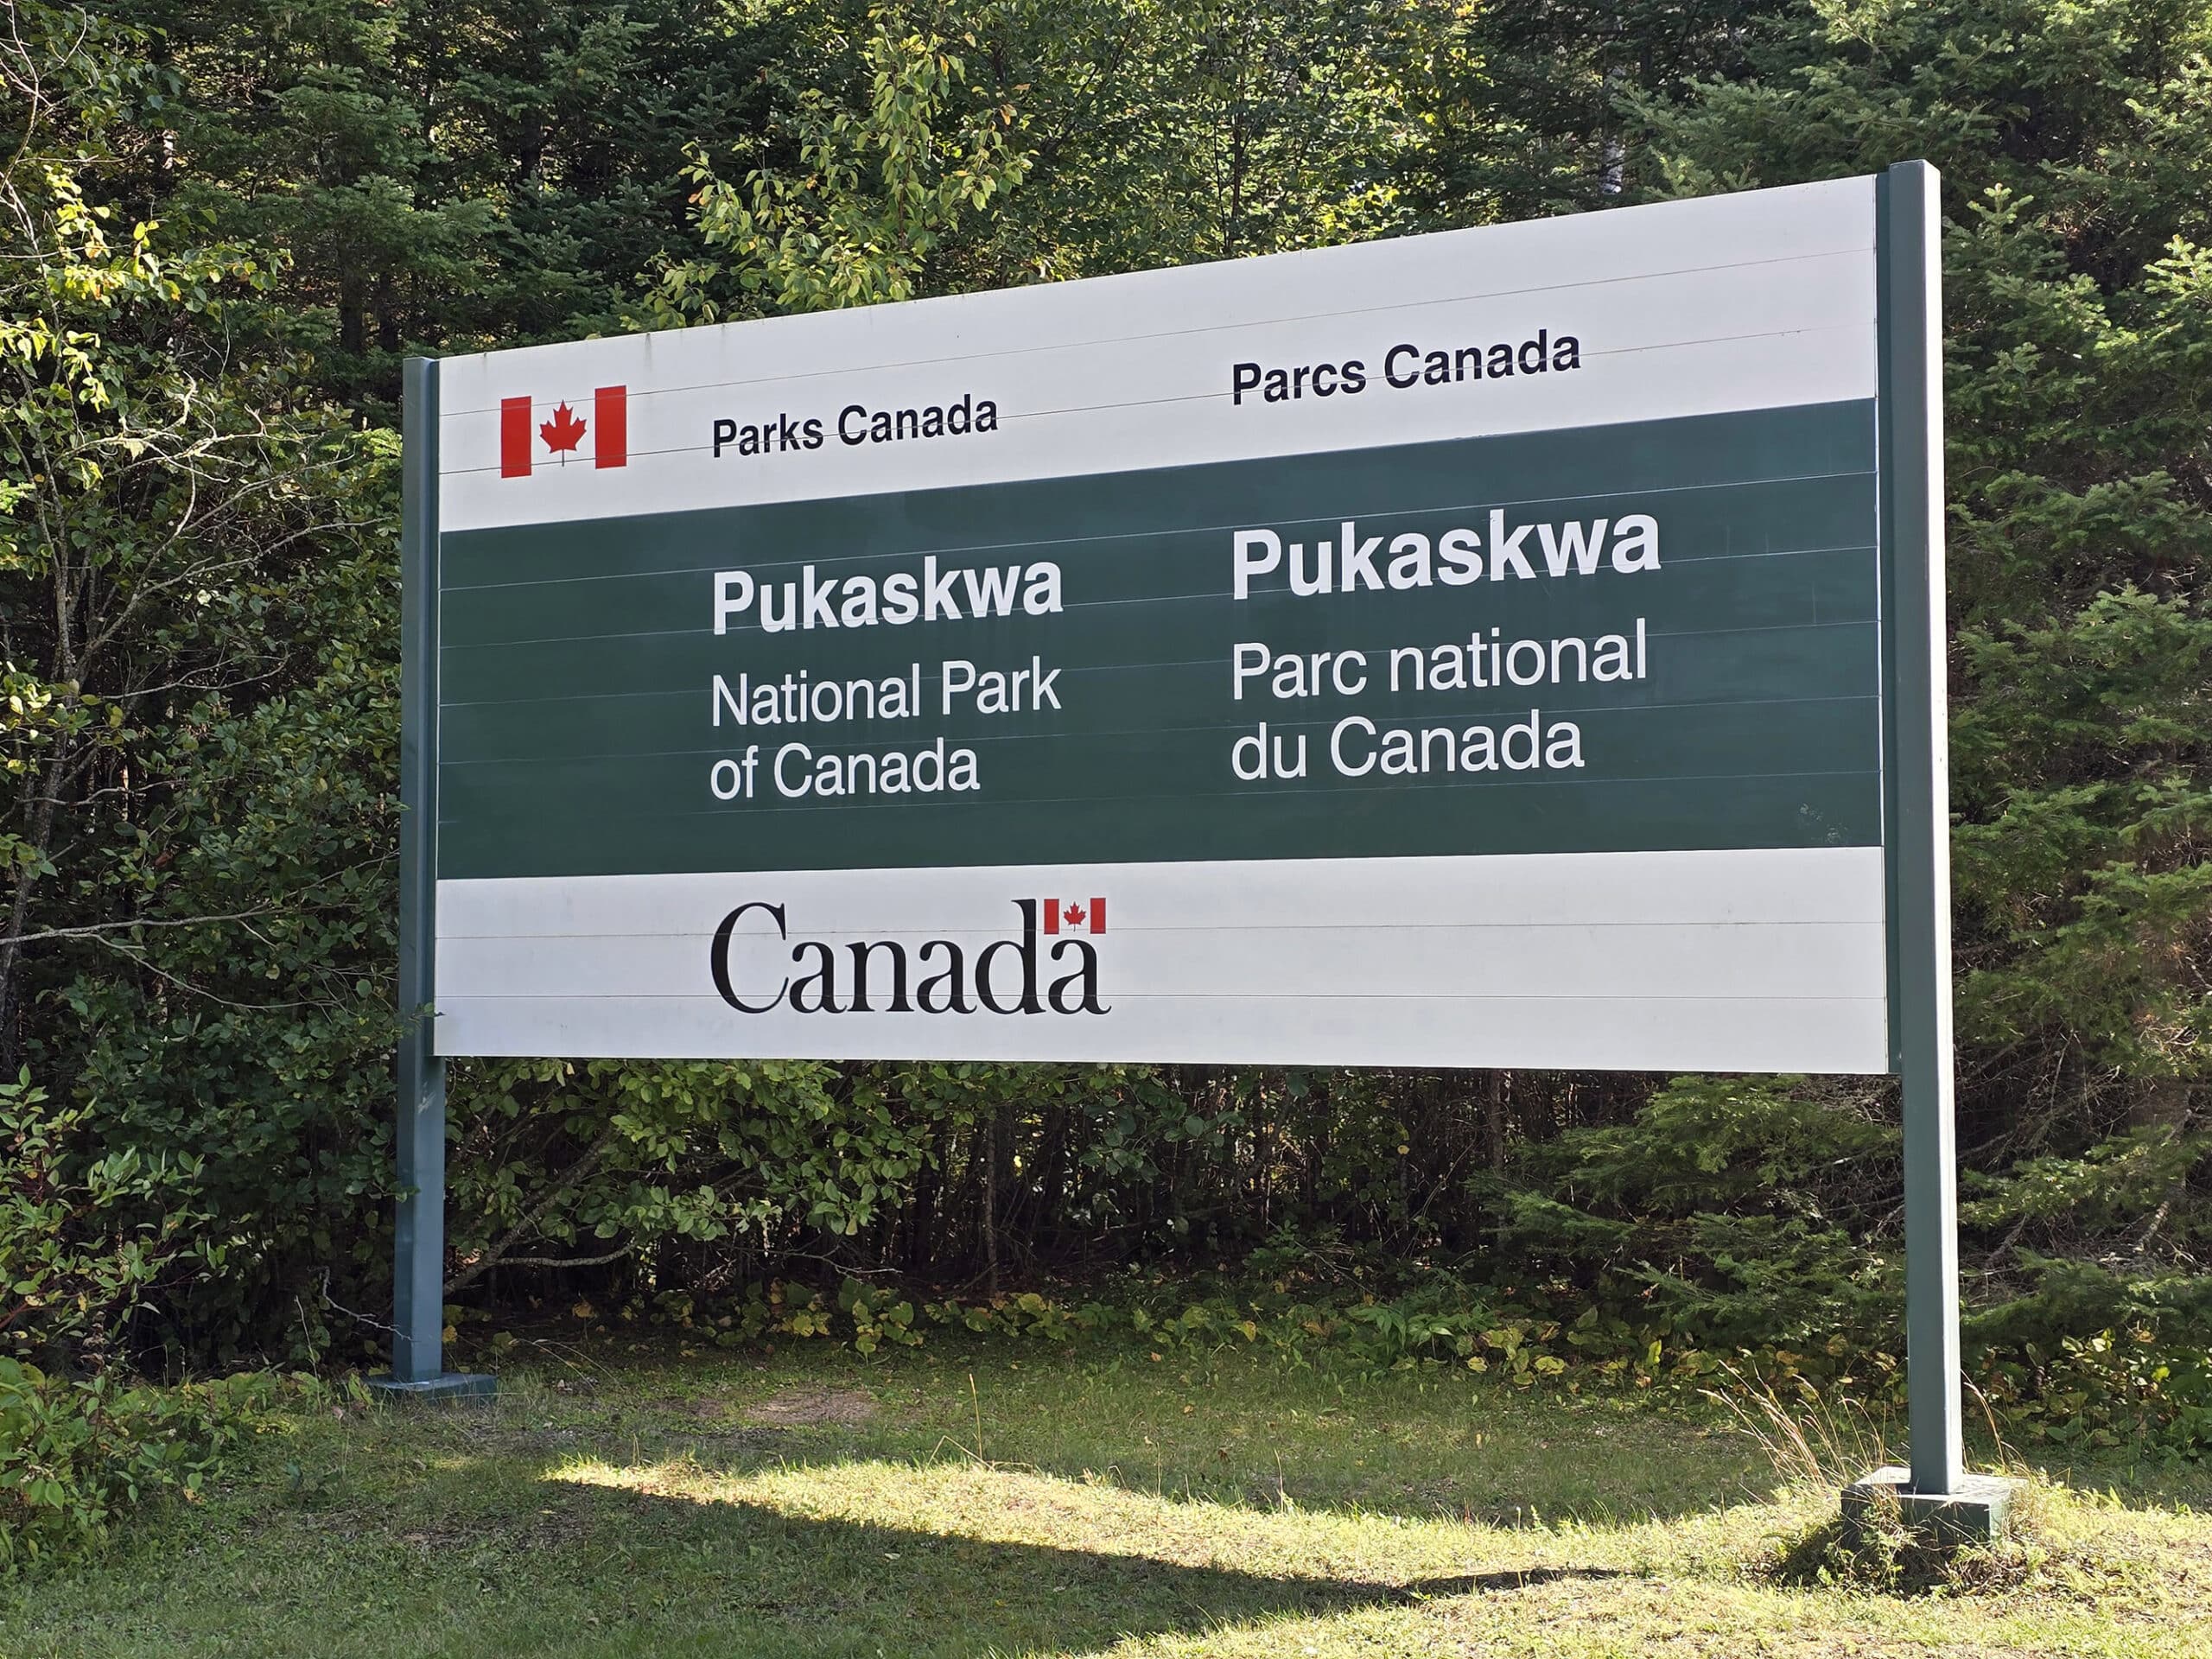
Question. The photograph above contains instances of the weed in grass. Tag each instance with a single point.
(1813, 1442)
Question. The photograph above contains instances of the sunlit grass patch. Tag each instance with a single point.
(949, 1500)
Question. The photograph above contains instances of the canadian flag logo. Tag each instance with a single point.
(563, 432)
(1073, 915)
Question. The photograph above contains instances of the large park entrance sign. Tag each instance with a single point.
(1513, 647)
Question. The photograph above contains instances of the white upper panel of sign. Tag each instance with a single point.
(1760, 299)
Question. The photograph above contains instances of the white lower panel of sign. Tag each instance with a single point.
(1765, 960)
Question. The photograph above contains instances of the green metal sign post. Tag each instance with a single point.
(1935, 1491)
(419, 1144)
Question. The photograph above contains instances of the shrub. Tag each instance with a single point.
(84, 1237)
(75, 1454)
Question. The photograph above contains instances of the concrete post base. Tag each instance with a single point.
(1975, 1513)
(454, 1386)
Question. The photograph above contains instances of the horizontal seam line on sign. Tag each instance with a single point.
(1093, 869)
(936, 928)
(732, 808)
(894, 744)
(1516, 502)
(1226, 996)
(1127, 668)
(732, 811)
(1109, 341)
(1092, 604)
(1204, 662)
(822, 562)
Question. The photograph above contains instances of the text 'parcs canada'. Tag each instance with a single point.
(1405, 366)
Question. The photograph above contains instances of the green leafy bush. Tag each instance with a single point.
(76, 1454)
(86, 1236)
(1729, 1210)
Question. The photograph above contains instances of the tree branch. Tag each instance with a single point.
(497, 1254)
(92, 929)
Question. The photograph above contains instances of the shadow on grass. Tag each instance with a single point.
(1243, 1429)
(800, 1584)
(1568, 1484)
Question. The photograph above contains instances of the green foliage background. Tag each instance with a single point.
(227, 222)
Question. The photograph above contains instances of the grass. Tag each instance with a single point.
(1013, 1499)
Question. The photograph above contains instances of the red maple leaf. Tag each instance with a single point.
(1074, 915)
(564, 431)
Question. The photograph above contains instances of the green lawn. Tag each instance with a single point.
(818, 1503)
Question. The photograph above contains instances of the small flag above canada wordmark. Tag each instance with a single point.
(1073, 916)
(564, 431)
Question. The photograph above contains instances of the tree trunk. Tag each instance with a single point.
(988, 1150)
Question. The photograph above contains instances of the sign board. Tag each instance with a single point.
(1515, 647)
(1463, 649)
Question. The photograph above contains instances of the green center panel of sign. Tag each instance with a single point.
(1699, 670)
